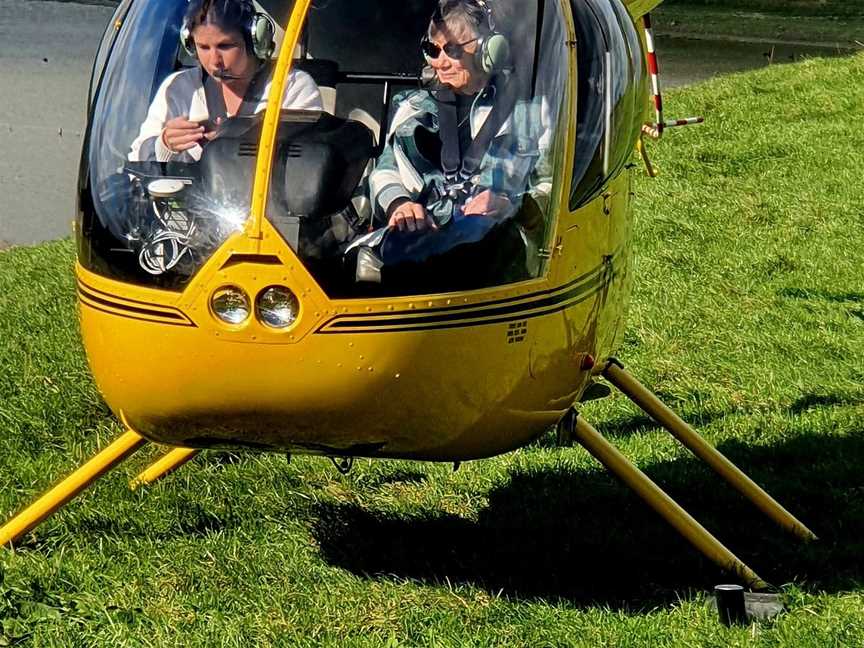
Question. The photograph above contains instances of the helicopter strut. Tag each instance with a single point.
(615, 373)
(70, 487)
(573, 427)
(656, 498)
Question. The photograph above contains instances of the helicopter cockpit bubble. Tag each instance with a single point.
(325, 191)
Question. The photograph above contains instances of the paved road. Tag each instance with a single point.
(46, 50)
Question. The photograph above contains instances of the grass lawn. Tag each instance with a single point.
(792, 7)
(837, 23)
(748, 316)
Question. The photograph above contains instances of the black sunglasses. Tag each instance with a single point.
(453, 50)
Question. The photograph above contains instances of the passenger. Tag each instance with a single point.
(233, 45)
(419, 188)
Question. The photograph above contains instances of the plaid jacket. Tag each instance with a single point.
(517, 161)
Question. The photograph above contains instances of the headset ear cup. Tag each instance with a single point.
(263, 36)
(494, 54)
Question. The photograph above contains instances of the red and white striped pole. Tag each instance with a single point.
(654, 70)
(683, 122)
(656, 129)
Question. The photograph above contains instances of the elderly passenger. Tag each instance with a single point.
(468, 146)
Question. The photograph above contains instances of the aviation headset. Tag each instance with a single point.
(257, 29)
(493, 49)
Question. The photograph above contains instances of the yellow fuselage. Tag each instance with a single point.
(443, 377)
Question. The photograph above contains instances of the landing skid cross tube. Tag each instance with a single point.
(161, 467)
(70, 487)
(615, 373)
(665, 506)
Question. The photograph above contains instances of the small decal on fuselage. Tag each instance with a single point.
(516, 331)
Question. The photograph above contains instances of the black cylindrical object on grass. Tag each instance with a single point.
(730, 604)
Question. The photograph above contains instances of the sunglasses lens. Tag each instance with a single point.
(430, 49)
(454, 50)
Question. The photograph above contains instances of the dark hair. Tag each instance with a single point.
(227, 15)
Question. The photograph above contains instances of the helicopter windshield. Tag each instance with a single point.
(411, 156)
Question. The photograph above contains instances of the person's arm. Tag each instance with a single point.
(385, 183)
(149, 144)
(540, 179)
(386, 190)
(301, 92)
(518, 163)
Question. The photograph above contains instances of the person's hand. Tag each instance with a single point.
(209, 135)
(180, 134)
(486, 203)
(410, 217)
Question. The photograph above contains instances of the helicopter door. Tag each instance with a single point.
(611, 84)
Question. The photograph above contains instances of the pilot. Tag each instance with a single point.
(470, 145)
(233, 45)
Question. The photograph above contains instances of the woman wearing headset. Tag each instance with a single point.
(470, 60)
(233, 45)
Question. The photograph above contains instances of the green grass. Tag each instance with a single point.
(748, 316)
(830, 8)
(839, 24)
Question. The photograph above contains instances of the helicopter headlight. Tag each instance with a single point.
(277, 307)
(231, 305)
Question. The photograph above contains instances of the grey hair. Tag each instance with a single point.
(456, 14)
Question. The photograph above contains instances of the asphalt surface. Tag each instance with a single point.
(46, 50)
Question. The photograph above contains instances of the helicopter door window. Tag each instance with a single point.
(611, 78)
(108, 38)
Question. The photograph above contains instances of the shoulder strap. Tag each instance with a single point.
(255, 90)
(448, 131)
(502, 109)
(455, 165)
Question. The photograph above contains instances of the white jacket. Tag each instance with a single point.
(182, 93)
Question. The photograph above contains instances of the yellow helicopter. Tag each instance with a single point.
(257, 294)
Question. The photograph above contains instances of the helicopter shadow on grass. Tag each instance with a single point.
(581, 537)
(825, 295)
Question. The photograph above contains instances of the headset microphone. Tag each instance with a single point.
(222, 75)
